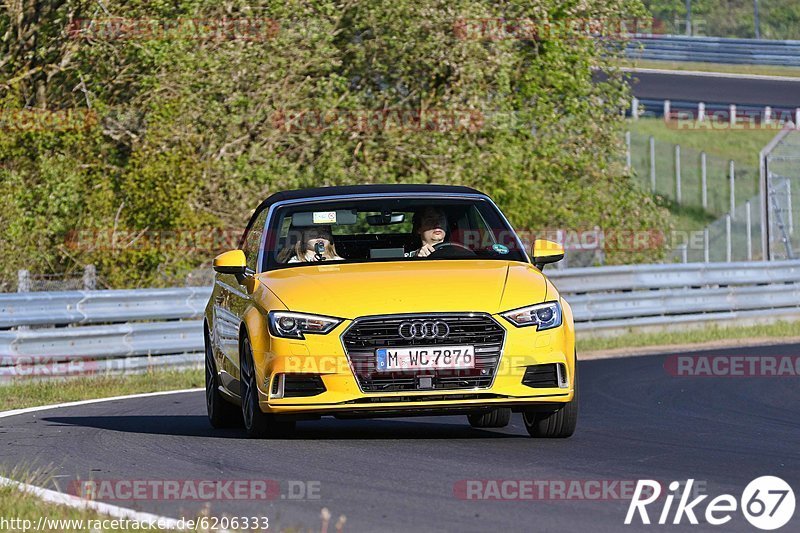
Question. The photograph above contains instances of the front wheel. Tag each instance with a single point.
(496, 418)
(558, 424)
(257, 423)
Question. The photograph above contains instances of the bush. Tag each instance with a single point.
(194, 133)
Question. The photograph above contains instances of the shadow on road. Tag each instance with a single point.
(197, 426)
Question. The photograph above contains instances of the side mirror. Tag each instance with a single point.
(545, 252)
(232, 262)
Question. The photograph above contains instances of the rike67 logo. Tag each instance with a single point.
(767, 503)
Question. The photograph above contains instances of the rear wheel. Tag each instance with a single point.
(257, 423)
(496, 418)
(558, 424)
(221, 413)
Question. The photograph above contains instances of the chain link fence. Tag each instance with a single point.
(781, 168)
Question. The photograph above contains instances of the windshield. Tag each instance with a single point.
(358, 230)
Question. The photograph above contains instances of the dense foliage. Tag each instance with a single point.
(146, 137)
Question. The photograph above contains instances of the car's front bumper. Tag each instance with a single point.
(324, 355)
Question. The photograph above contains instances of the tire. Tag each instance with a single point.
(496, 418)
(559, 424)
(257, 424)
(221, 413)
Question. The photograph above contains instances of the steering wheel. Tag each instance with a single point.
(446, 246)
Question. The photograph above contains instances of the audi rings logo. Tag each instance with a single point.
(424, 330)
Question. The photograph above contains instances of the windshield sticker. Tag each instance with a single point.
(324, 217)
(500, 249)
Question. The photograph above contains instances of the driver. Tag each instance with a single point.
(429, 224)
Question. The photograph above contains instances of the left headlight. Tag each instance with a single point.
(294, 325)
(544, 316)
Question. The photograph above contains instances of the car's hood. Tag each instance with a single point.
(359, 289)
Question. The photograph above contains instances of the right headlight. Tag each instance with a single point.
(546, 315)
(294, 325)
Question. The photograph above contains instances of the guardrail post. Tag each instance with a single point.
(89, 278)
(703, 180)
(23, 281)
(706, 253)
(789, 206)
(667, 106)
(749, 230)
(767, 115)
(678, 174)
(628, 149)
(701, 112)
(653, 164)
(684, 253)
(732, 174)
(728, 254)
(635, 108)
(733, 115)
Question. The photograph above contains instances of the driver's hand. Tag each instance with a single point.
(426, 250)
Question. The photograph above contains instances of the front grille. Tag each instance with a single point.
(365, 335)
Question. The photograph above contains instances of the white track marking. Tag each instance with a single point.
(729, 75)
(14, 412)
(59, 498)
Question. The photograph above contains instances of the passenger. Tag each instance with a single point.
(430, 224)
(315, 244)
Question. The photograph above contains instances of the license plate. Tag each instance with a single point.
(425, 358)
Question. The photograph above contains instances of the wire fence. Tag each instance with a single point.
(782, 179)
(690, 178)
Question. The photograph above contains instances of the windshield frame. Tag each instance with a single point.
(264, 265)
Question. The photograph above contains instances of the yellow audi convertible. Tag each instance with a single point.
(387, 300)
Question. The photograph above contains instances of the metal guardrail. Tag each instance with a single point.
(714, 50)
(86, 307)
(614, 299)
(78, 332)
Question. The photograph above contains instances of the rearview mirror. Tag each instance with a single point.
(386, 219)
(545, 252)
(232, 262)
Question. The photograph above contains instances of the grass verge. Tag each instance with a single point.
(22, 511)
(699, 337)
(761, 70)
(20, 394)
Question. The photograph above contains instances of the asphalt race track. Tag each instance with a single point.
(740, 91)
(637, 422)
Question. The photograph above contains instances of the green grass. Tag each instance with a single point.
(763, 70)
(17, 395)
(637, 340)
